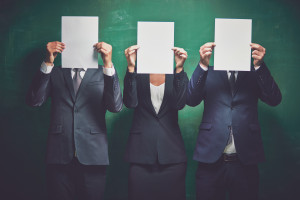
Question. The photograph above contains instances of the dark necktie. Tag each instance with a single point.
(232, 88)
(232, 82)
(77, 79)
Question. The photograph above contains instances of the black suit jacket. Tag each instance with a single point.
(222, 111)
(155, 136)
(77, 122)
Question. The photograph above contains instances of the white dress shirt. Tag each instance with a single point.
(47, 70)
(157, 95)
(230, 148)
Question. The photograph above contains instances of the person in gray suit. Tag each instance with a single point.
(77, 153)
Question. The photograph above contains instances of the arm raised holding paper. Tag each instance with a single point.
(53, 48)
(106, 53)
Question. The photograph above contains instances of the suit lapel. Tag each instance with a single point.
(69, 82)
(147, 99)
(167, 92)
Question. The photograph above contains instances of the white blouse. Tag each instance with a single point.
(157, 95)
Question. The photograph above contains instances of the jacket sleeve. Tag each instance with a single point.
(269, 90)
(195, 93)
(39, 89)
(130, 90)
(112, 93)
(179, 93)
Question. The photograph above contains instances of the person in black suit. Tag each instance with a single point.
(155, 148)
(229, 144)
(77, 153)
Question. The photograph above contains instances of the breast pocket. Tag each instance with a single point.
(95, 83)
(205, 126)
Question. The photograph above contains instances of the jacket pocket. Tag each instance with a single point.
(205, 126)
(95, 130)
(95, 83)
(56, 129)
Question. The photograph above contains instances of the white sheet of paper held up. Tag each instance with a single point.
(156, 40)
(232, 50)
(79, 34)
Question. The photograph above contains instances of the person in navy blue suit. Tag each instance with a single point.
(229, 144)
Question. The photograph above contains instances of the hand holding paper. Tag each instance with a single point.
(258, 54)
(205, 53)
(130, 54)
(106, 53)
(52, 49)
(180, 57)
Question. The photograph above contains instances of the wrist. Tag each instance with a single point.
(179, 69)
(108, 64)
(48, 63)
(130, 68)
(203, 65)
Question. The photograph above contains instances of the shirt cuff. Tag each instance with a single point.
(256, 68)
(204, 68)
(45, 68)
(109, 71)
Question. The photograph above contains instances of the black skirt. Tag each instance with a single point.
(157, 182)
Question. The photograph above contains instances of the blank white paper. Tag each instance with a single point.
(156, 40)
(232, 50)
(79, 35)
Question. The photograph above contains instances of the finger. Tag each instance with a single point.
(134, 47)
(205, 51)
(175, 48)
(181, 50)
(256, 57)
(183, 56)
(131, 52)
(259, 53)
(61, 46)
(58, 51)
(258, 47)
(207, 54)
(103, 51)
(97, 46)
(208, 45)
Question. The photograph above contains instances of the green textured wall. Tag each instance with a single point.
(27, 25)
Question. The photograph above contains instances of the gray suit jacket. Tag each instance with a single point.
(77, 122)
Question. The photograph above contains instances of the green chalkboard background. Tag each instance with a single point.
(27, 25)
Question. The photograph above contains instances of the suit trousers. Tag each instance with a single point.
(75, 181)
(217, 180)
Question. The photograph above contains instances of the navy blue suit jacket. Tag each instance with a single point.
(155, 136)
(77, 121)
(222, 111)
